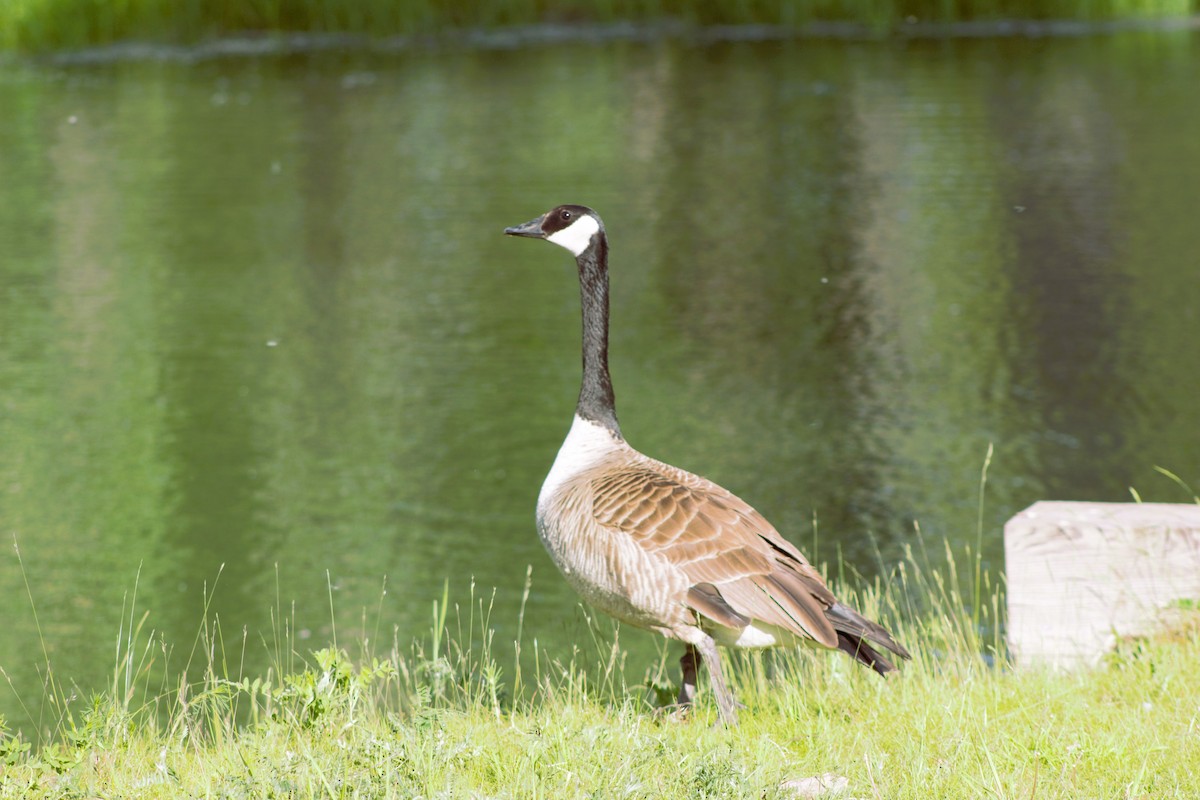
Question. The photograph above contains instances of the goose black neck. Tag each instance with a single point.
(596, 401)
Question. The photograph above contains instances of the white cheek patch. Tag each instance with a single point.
(577, 236)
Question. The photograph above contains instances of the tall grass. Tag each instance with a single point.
(55, 24)
(444, 716)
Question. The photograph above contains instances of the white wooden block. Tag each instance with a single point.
(1080, 575)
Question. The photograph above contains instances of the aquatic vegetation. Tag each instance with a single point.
(55, 24)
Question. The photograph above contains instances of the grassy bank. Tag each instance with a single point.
(34, 25)
(437, 718)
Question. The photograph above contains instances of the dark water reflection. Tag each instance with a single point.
(259, 313)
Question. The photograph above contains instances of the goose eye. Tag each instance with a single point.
(565, 215)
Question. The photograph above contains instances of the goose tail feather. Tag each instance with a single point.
(856, 634)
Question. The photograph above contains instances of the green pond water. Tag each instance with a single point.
(264, 349)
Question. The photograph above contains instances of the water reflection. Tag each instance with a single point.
(259, 327)
(1068, 288)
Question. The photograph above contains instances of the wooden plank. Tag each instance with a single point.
(1081, 575)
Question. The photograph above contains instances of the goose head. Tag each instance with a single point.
(575, 228)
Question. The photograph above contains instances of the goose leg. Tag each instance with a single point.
(687, 665)
(726, 708)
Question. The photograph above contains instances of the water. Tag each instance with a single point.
(264, 349)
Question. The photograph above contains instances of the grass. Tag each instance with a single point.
(39, 25)
(442, 718)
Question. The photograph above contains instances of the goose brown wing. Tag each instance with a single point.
(740, 568)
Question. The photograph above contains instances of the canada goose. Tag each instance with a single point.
(661, 548)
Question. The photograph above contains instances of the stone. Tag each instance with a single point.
(1082, 575)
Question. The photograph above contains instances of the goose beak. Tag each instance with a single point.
(532, 229)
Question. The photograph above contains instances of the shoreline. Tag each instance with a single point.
(283, 43)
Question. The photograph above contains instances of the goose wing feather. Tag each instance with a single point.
(739, 567)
